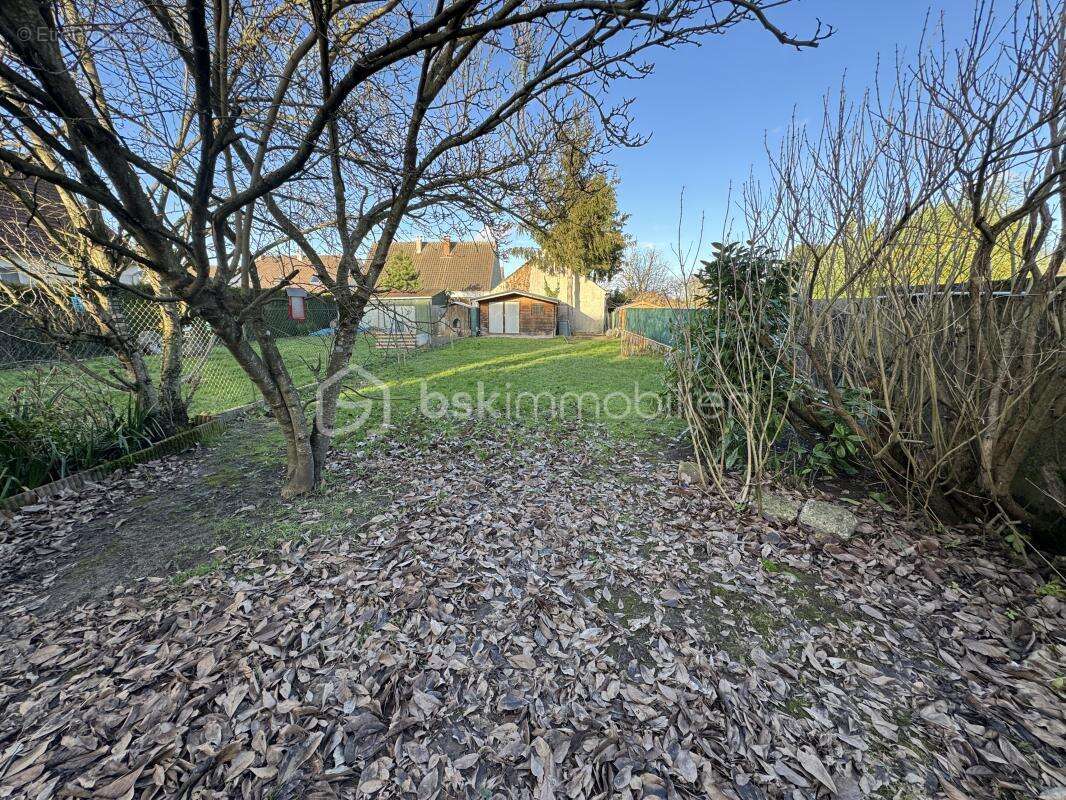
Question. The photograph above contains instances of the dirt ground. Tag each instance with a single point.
(158, 519)
(506, 612)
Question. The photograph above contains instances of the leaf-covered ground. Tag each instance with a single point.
(537, 613)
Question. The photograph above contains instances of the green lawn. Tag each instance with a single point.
(532, 379)
(222, 384)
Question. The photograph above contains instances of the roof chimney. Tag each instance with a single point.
(448, 245)
(418, 245)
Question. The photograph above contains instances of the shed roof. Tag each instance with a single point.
(399, 296)
(650, 300)
(508, 292)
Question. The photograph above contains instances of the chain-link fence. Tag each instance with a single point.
(66, 394)
(211, 380)
(67, 400)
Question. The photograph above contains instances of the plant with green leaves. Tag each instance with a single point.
(400, 274)
(54, 427)
(733, 366)
(577, 225)
(735, 371)
(928, 217)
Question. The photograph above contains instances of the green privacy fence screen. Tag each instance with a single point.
(658, 324)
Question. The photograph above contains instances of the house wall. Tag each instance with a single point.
(589, 303)
(535, 317)
(584, 301)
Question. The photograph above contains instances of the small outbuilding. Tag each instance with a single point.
(582, 302)
(458, 319)
(399, 320)
(512, 312)
(409, 313)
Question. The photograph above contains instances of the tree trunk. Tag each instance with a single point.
(145, 395)
(326, 412)
(267, 370)
(110, 316)
(172, 404)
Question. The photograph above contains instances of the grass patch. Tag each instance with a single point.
(259, 531)
(199, 571)
(526, 380)
(520, 379)
(223, 384)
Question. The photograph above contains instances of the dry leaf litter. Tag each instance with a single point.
(535, 614)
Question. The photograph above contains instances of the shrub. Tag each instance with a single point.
(49, 431)
(736, 374)
(927, 217)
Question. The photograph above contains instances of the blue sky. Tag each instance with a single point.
(708, 109)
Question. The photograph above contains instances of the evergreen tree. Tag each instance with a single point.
(400, 275)
(578, 224)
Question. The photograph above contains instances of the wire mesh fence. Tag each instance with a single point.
(211, 380)
(82, 381)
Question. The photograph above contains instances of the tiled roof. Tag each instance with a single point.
(519, 279)
(449, 266)
(442, 267)
(650, 299)
(273, 269)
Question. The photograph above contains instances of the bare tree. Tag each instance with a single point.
(929, 218)
(645, 270)
(212, 116)
(72, 300)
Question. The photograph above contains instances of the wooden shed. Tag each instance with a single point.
(457, 319)
(512, 312)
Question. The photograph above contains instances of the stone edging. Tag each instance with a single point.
(635, 344)
(165, 447)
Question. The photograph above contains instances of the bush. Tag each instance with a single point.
(50, 431)
(736, 374)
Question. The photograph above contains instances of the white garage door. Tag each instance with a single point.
(495, 317)
(510, 317)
